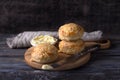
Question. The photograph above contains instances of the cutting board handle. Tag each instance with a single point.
(104, 44)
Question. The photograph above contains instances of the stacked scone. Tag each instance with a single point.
(44, 50)
(70, 35)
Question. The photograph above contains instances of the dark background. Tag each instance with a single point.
(35, 15)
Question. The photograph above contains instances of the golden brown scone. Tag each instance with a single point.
(44, 53)
(72, 47)
(70, 32)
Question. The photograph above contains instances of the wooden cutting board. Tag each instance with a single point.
(68, 64)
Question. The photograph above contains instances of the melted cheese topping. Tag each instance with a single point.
(43, 39)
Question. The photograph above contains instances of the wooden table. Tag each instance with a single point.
(104, 65)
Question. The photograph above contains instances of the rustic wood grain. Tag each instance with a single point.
(103, 65)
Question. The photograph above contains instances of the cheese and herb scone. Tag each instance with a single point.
(71, 47)
(43, 39)
(44, 49)
(44, 53)
(70, 32)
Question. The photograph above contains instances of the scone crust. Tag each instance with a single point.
(70, 32)
(73, 47)
(44, 53)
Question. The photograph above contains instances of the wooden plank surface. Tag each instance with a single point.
(103, 65)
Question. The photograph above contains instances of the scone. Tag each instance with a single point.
(70, 32)
(44, 53)
(72, 47)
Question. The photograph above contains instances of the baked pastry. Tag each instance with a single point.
(71, 47)
(44, 53)
(70, 32)
(43, 39)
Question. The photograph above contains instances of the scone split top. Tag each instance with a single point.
(70, 32)
(44, 53)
